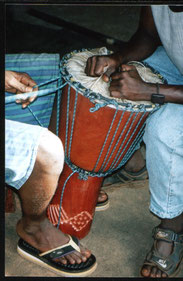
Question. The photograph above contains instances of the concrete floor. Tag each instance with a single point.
(120, 236)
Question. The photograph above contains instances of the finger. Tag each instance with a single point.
(24, 78)
(87, 68)
(26, 103)
(117, 75)
(127, 67)
(27, 100)
(100, 66)
(20, 86)
(91, 66)
(115, 91)
(107, 75)
(18, 101)
(27, 80)
(116, 94)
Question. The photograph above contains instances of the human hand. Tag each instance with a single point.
(20, 82)
(128, 84)
(102, 65)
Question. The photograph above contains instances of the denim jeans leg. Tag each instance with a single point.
(164, 146)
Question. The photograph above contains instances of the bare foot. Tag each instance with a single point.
(102, 196)
(44, 237)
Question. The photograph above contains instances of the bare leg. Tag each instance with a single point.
(164, 248)
(35, 195)
(136, 162)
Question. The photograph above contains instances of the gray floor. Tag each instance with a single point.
(120, 236)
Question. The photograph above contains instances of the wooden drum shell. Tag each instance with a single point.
(89, 133)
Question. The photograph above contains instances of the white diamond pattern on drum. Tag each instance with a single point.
(77, 222)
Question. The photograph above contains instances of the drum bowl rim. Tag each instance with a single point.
(97, 97)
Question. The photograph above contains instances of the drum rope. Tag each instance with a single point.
(61, 197)
(99, 101)
(117, 160)
(124, 139)
(102, 167)
(138, 139)
(106, 139)
(39, 93)
(67, 121)
(58, 105)
(73, 121)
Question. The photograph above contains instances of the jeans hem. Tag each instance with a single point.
(165, 215)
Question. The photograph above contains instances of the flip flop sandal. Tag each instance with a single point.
(46, 259)
(103, 205)
(171, 264)
(123, 177)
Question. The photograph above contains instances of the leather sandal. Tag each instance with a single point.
(171, 264)
(123, 177)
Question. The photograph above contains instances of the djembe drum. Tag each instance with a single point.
(99, 133)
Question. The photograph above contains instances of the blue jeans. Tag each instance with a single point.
(164, 146)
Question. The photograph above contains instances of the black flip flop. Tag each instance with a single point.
(46, 259)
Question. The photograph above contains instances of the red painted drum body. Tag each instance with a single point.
(95, 141)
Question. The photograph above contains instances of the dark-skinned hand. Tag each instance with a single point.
(127, 84)
(102, 65)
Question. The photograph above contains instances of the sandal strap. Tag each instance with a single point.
(72, 245)
(126, 176)
(170, 264)
(167, 235)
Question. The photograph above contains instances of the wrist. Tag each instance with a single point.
(156, 97)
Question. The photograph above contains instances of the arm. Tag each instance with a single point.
(142, 44)
(19, 82)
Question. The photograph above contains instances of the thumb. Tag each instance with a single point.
(107, 74)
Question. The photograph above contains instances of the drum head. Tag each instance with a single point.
(73, 71)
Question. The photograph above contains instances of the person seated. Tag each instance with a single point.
(34, 159)
(158, 43)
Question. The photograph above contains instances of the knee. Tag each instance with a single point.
(51, 153)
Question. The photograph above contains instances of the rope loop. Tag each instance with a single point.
(98, 106)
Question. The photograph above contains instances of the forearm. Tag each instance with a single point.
(172, 93)
(143, 43)
(140, 46)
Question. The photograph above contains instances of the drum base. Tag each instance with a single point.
(78, 204)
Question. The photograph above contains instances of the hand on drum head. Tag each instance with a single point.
(102, 65)
(127, 84)
(20, 82)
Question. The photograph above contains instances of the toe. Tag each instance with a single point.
(164, 275)
(146, 270)
(153, 272)
(158, 273)
(70, 259)
(85, 252)
(79, 257)
(102, 196)
(61, 260)
(76, 257)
